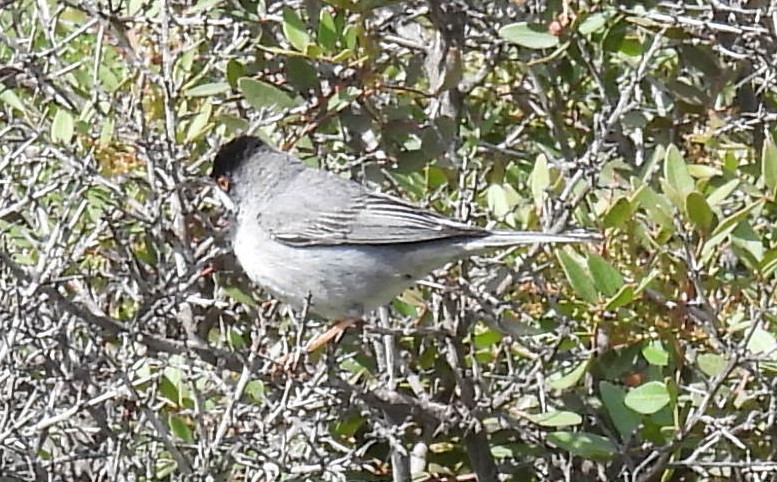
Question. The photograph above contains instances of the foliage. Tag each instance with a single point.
(651, 356)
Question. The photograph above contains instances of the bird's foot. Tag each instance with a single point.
(288, 363)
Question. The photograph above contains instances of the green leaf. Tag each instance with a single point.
(592, 23)
(180, 428)
(231, 123)
(235, 71)
(676, 176)
(618, 214)
(529, 36)
(539, 181)
(645, 282)
(562, 380)
(504, 451)
(763, 342)
(687, 92)
(577, 275)
(607, 279)
(207, 90)
(623, 297)
(239, 295)
(106, 131)
(556, 419)
(302, 75)
(263, 95)
(725, 228)
(745, 237)
(711, 363)
(722, 193)
(769, 165)
(583, 444)
(237, 339)
(255, 390)
(655, 353)
(487, 339)
(62, 128)
(350, 37)
(648, 398)
(501, 200)
(631, 46)
(699, 212)
(347, 424)
(327, 32)
(169, 389)
(657, 205)
(768, 264)
(624, 418)
(199, 123)
(294, 30)
(701, 171)
(10, 98)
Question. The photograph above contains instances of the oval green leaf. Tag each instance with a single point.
(539, 181)
(263, 95)
(624, 418)
(577, 275)
(648, 398)
(763, 342)
(199, 124)
(592, 23)
(556, 419)
(239, 295)
(711, 363)
(562, 380)
(63, 127)
(294, 30)
(10, 98)
(235, 71)
(655, 353)
(607, 279)
(327, 32)
(618, 213)
(725, 228)
(699, 211)
(180, 428)
(623, 297)
(676, 172)
(583, 444)
(529, 36)
(207, 90)
(769, 165)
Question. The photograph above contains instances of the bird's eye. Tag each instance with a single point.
(223, 182)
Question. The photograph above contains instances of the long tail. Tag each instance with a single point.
(505, 238)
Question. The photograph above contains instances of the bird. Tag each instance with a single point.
(317, 240)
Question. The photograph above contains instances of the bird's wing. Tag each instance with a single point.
(320, 209)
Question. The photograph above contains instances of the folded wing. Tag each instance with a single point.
(344, 212)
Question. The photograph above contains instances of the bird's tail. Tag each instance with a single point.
(504, 238)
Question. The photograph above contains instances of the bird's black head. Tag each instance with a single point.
(231, 157)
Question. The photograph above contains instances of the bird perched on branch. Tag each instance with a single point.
(307, 234)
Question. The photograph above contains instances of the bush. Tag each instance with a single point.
(123, 356)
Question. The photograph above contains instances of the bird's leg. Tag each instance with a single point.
(333, 331)
(290, 360)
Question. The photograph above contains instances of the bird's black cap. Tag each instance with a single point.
(233, 154)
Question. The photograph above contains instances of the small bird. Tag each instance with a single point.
(307, 234)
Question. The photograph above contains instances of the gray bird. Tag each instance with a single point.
(302, 232)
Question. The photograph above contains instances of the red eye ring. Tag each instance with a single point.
(223, 183)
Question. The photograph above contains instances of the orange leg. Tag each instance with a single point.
(329, 335)
(290, 360)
